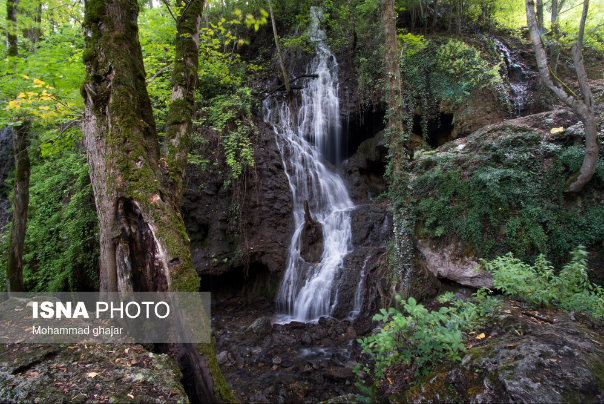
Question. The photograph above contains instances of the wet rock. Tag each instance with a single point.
(222, 357)
(300, 389)
(338, 374)
(371, 225)
(450, 263)
(264, 209)
(261, 327)
(365, 170)
(311, 239)
(259, 398)
(306, 339)
(276, 361)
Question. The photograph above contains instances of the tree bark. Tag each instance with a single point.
(393, 75)
(555, 27)
(540, 15)
(179, 121)
(14, 271)
(395, 131)
(584, 108)
(285, 78)
(33, 10)
(11, 27)
(144, 245)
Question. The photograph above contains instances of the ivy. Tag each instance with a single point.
(504, 193)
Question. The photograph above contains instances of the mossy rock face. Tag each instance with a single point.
(501, 189)
(77, 373)
(522, 360)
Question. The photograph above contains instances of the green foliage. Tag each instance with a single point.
(61, 245)
(231, 115)
(450, 72)
(539, 285)
(504, 193)
(417, 337)
(420, 339)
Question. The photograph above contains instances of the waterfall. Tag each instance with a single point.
(309, 290)
(359, 294)
(520, 77)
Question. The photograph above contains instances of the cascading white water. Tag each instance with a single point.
(360, 292)
(519, 76)
(309, 291)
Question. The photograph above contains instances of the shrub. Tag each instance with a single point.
(539, 285)
(420, 338)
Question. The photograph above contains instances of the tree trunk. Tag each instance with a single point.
(33, 10)
(583, 108)
(11, 27)
(285, 78)
(555, 46)
(398, 152)
(435, 20)
(540, 15)
(144, 245)
(179, 121)
(14, 271)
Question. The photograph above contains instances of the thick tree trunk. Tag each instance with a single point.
(144, 245)
(398, 152)
(14, 271)
(393, 75)
(184, 82)
(583, 108)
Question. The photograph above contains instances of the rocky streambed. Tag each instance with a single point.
(283, 363)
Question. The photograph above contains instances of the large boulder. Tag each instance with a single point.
(450, 263)
(527, 358)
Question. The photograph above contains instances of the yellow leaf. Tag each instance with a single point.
(36, 81)
(44, 108)
(480, 336)
(557, 130)
(92, 375)
(25, 77)
(21, 95)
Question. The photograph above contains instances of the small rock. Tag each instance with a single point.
(306, 339)
(276, 360)
(261, 326)
(222, 357)
(350, 364)
(338, 374)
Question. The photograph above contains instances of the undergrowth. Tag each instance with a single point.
(539, 284)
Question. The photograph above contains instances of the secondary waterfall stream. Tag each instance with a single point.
(309, 290)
